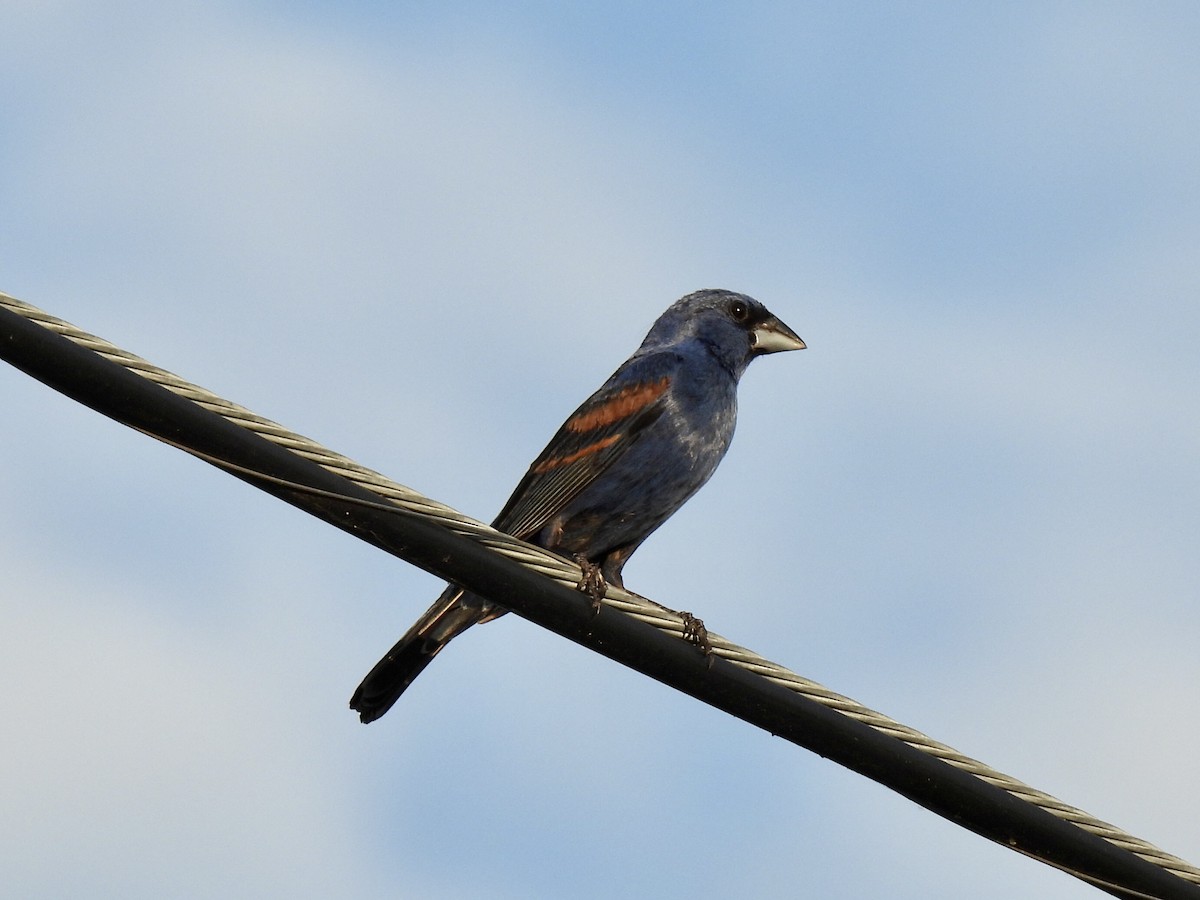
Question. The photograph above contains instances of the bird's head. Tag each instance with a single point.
(735, 328)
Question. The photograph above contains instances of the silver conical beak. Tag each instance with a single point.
(772, 336)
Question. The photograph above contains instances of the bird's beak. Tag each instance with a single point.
(772, 336)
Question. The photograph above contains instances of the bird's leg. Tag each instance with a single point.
(694, 632)
(592, 581)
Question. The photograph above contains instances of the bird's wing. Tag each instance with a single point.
(589, 442)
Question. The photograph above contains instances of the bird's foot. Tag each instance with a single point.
(591, 582)
(694, 632)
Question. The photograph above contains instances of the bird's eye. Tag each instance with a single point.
(739, 310)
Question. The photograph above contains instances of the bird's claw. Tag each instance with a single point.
(694, 632)
(591, 582)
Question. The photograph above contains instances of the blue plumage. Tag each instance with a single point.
(618, 468)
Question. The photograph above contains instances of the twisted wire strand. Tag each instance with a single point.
(567, 573)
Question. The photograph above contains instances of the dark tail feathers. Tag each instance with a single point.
(453, 613)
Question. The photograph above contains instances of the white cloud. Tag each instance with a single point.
(970, 503)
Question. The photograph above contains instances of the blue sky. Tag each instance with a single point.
(422, 234)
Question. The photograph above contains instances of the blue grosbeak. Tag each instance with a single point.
(618, 468)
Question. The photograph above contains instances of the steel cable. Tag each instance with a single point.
(568, 574)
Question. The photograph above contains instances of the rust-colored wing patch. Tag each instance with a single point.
(620, 405)
(555, 461)
(595, 436)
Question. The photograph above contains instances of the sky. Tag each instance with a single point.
(422, 234)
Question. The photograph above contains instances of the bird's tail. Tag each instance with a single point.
(451, 614)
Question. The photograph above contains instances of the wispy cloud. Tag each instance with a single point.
(423, 237)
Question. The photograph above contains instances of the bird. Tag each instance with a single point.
(630, 456)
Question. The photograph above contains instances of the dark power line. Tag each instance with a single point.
(538, 587)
